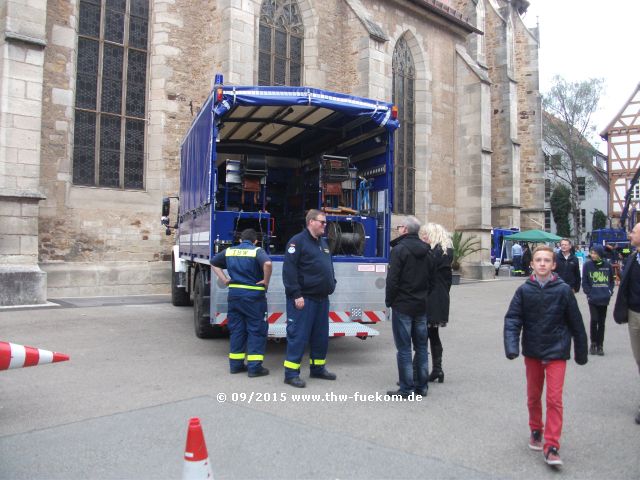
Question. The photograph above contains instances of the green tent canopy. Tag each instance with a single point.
(533, 236)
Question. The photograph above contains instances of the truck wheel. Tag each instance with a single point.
(179, 295)
(201, 299)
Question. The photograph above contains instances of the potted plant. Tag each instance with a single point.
(462, 248)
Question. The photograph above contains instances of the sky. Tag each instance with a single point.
(582, 39)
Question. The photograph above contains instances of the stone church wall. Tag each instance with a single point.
(99, 241)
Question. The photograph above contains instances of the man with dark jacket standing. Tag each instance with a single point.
(568, 266)
(408, 285)
(627, 307)
(309, 279)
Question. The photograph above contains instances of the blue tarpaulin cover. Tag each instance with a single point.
(255, 116)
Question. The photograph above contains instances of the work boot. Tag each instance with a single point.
(261, 372)
(436, 372)
(295, 382)
(324, 374)
(241, 369)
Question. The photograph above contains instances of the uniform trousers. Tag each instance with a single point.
(248, 328)
(307, 326)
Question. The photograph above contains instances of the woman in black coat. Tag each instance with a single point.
(438, 301)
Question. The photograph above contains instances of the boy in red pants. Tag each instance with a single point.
(544, 308)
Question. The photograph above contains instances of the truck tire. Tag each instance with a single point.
(179, 295)
(201, 318)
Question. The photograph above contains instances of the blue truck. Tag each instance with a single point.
(260, 157)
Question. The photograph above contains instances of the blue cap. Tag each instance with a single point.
(599, 249)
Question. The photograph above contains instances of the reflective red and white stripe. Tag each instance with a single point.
(368, 316)
(374, 316)
(13, 355)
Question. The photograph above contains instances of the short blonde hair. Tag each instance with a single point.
(543, 248)
(437, 235)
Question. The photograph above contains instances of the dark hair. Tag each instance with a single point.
(249, 234)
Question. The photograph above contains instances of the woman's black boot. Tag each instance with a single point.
(436, 372)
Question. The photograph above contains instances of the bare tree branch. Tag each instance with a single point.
(568, 110)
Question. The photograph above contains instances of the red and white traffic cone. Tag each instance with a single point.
(13, 355)
(196, 458)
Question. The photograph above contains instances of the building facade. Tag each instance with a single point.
(100, 92)
(593, 190)
(623, 147)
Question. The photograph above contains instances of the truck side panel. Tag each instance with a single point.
(195, 185)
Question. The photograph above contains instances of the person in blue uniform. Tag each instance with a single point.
(309, 279)
(249, 269)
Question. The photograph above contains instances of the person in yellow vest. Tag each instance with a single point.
(249, 269)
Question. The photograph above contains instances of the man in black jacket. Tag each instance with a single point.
(568, 266)
(408, 285)
(627, 307)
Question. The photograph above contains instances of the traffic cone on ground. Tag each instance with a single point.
(13, 355)
(196, 458)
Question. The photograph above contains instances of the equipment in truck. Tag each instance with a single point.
(261, 157)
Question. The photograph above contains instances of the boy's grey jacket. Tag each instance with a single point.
(548, 318)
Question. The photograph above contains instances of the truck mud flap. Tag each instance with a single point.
(342, 329)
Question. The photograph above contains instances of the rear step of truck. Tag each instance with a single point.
(336, 329)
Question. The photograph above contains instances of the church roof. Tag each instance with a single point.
(448, 13)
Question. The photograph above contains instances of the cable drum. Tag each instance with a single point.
(333, 236)
(346, 237)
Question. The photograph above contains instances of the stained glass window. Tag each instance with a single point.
(404, 98)
(280, 43)
(111, 82)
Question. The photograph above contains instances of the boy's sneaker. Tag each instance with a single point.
(552, 457)
(535, 440)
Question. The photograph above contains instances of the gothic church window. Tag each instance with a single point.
(111, 83)
(280, 43)
(510, 46)
(404, 98)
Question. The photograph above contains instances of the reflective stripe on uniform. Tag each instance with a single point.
(248, 287)
(240, 252)
(316, 361)
(293, 366)
(255, 358)
(236, 356)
